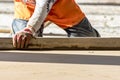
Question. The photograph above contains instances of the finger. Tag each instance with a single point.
(23, 42)
(19, 41)
(15, 41)
(27, 41)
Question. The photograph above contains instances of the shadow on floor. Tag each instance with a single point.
(59, 58)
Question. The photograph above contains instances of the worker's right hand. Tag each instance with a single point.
(22, 38)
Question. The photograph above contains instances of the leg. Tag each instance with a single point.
(39, 33)
(83, 29)
(19, 24)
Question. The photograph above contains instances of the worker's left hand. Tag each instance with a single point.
(22, 38)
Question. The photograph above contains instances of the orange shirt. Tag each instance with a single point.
(24, 10)
(64, 13)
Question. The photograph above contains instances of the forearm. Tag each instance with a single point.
(39, 15)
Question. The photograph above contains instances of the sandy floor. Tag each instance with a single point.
(59, 65)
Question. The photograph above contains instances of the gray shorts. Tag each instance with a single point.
(83, 29)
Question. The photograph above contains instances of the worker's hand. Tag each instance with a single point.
(22, 38)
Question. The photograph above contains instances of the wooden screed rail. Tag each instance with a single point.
(66, 44)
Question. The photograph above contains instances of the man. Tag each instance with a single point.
(65, 13)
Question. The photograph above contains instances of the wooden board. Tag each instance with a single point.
(67, 44)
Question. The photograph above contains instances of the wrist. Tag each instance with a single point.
(28, 30)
